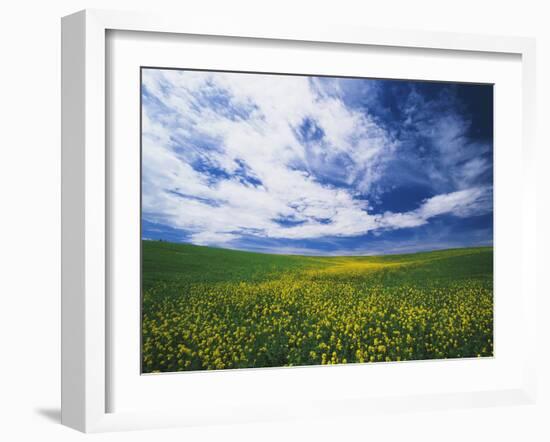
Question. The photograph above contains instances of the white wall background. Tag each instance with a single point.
(30, 216)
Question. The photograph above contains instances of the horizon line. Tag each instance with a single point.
(390, 253)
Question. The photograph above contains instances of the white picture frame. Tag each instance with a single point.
(86, 204)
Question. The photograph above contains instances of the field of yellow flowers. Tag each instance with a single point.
(206, 308)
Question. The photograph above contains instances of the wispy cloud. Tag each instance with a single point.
(462, 203)
(228, 156)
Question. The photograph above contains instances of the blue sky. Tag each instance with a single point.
(315, 165)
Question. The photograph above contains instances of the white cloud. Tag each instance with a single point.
(262, 132)
(462, 203)
(458, 161)
(206, 237)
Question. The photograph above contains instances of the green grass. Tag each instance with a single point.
(186, 263)
(209, 308)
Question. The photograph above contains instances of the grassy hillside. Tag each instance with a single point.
(163, 261)
(208, 308)
(170, 262)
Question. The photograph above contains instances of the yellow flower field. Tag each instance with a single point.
(210, 309)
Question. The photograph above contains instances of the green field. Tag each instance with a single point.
(208, 308)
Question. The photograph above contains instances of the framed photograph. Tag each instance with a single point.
(292, 220)
(291, 223)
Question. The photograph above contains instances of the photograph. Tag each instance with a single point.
(295, 219)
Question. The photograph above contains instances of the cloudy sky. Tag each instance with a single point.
(315, 165)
